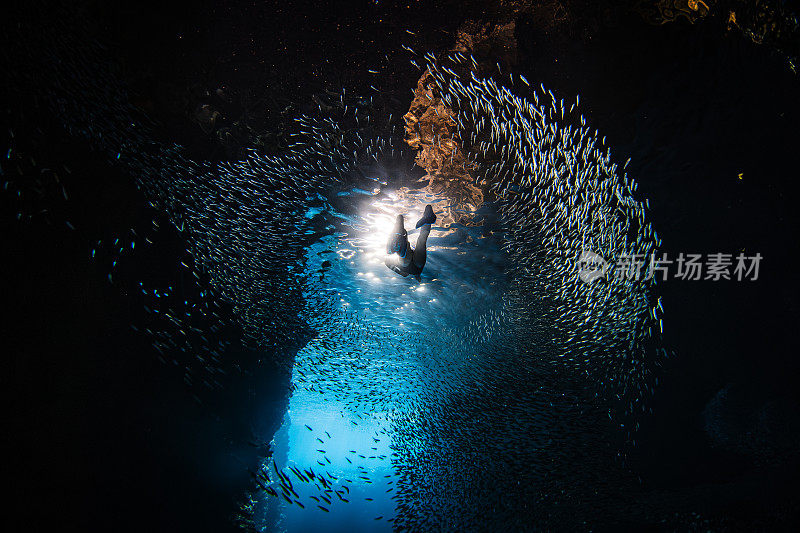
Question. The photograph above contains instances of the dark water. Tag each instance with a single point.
(105, 436)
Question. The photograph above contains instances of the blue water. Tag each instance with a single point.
(366, 366)
(456, 402)
(366, 476)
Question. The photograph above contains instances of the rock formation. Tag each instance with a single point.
(432, 130)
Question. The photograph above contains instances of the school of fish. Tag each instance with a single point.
(513, 407)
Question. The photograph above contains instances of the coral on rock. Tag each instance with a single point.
(432, 130)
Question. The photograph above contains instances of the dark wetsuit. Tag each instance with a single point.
(404, 270)
(414, 260)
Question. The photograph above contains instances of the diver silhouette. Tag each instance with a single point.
(408, 261)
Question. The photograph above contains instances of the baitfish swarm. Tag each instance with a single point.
(560, 388)
(515, 411)
(559, 193)
(245, 222)
(510, 406)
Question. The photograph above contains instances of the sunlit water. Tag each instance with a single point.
(450, 382)
(351, 383)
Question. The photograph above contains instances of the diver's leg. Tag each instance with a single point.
(420, 252)
(398, 241)
(428, 216)
(424, 225)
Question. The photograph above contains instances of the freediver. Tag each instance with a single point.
(409, 261)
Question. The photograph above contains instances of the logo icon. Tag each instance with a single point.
(591, 266)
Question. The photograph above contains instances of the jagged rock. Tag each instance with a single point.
(773, 23)
(488, 42)
(768, 22)
(430, 125)
(664, 11)
(431, 128)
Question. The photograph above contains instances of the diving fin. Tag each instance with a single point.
(428, 217)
